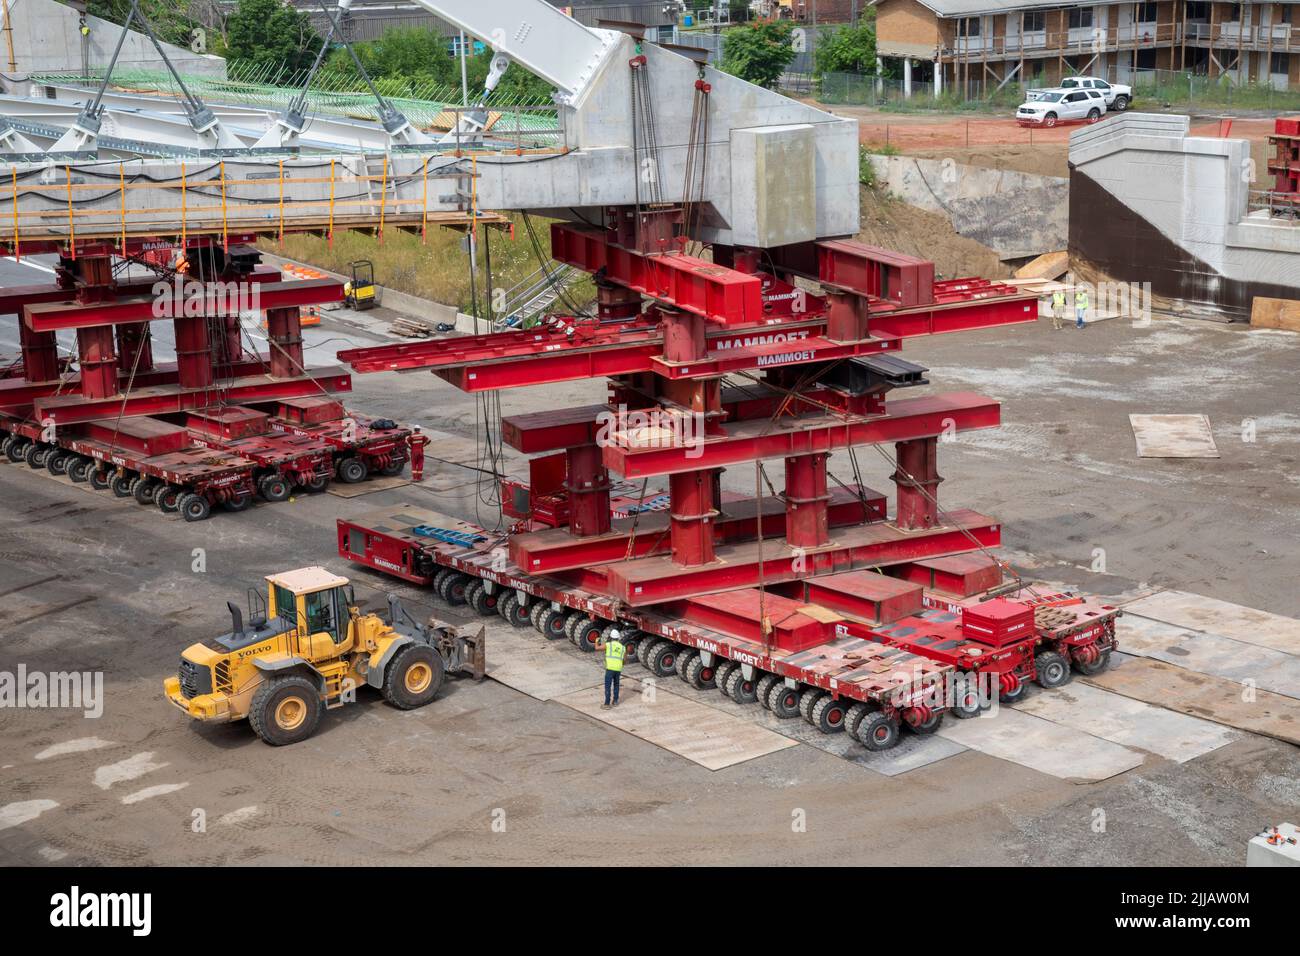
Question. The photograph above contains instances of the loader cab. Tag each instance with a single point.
(312, 601)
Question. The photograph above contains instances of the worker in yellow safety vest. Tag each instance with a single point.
(1058, 310)
(1080, 307)
(615, 650)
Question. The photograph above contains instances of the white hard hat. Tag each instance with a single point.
(615, 634)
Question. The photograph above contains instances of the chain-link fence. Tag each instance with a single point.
(1152, 89)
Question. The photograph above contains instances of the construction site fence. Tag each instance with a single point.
(112, 200)
(1152, 90)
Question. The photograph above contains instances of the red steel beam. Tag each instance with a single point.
(552, 550)
(747, 441)
(704, 288)
(164, 399)
(16, 393)
(653, 580)
(53, 316)
(14, 297)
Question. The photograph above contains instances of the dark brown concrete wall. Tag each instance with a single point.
(1123, 246)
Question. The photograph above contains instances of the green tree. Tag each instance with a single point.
(846, 50)
(758, 52)
(267, 33)
(171, 19)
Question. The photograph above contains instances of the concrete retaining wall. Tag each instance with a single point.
(1149, 203)
(47, 39)
(1015, 214)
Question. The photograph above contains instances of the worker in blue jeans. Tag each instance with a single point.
(615, 651)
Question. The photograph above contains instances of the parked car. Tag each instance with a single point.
(1062, 106)
(1118, 97)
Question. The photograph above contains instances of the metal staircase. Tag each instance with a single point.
(534, 295)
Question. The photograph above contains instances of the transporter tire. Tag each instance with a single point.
(6, 440)
(453, 588)
(438, 577)
(274, 488)
(1088, 670)
(632, 641)
(645, 648)
(121, 484)
(684, 660)
(483, 602)
(1052, 668)
(853, 716)
(513, 611)
(551, 624)
(1010, 697)
(285, 710)
(932, 724)
(393, 468)
(808, 700)
(414, 677)
(721, 673)
(586, 634)
(828, 715)
(571, 621)
(351, 470)
(699, 676)
(194, 507)
(17, 448)
(743, 691)
(100, 480)
(663, 658)
(966, 701)
(238, 503)
(877, 731)
(79, 469)
(535, 612)
(317, 483)
(168, 499)
(57, 462)
(36, 454)
(783, 701)
(764, 688)
(144, 491)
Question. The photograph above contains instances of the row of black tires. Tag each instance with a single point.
(873, 727)
(169, 498)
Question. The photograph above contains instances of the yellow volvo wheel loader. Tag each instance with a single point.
(307, 648)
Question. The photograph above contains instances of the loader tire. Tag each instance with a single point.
(414, 677)
(285, 710)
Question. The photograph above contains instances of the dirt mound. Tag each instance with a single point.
(894, 224)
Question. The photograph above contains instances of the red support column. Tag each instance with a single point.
(691, 532)
(846, 317)
(40, 353)
(588, 485)
(284, 332)
(917, 479)
(806, 499)
(193, 352)
(684, 335)
(98, 361)
(134, 337)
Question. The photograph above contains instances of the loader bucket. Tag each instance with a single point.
(462, 648)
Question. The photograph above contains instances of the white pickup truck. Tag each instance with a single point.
(1117, 96)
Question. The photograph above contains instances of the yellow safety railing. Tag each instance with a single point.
(224, 211)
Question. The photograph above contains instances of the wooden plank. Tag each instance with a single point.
(1173, 436)
(1266, 313)
(701, 734)
(1202, 695)
(1050, 265)
(1195, 612)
